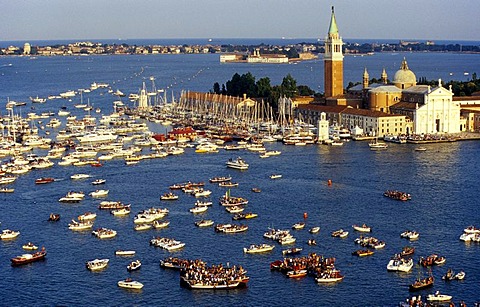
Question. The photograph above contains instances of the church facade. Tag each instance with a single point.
(402, 105)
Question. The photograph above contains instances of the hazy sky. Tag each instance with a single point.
(369, 19)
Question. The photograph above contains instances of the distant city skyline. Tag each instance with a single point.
(150, 19)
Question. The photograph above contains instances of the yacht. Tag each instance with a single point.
(238, 163)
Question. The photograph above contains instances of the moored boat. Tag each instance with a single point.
(130, 284)
(204, 223)
(258, 248)
(237, 163)
(362, 228)
(29, 246)
(44, 180)
(8, 234)
(437, 297)
(292, 251)
(298, 226)
(314, 230)
(134, 265)
(420, 284)
(54, 217)
(28, 258)
(363, 252)
(97, 264)
(121, 252)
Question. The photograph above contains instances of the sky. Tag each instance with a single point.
(160, 19)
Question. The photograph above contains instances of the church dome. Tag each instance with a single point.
(404, 77)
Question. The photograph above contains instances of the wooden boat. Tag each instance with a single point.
(228, 184)
(130, 284)
(363, 252)
(407, 251)
(220, 179)
(420, 284)
(54, 217)
(297, 273)
(28, 258)
(44, 180)
(397, 195)
(292, 251)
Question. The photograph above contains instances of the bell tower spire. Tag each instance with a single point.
(333, 60)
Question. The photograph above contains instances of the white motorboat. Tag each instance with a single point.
(29, 246)
(80, 226)
(255, 249)
(97, 264)
(362, 228)
(141, 227)
(104, 233)
(87, 216)
(130, 284)
(79, 176)
(121, 212)
(196, 209)
(99, 181)
(159, 225)
(275, 176)
(299, 225)
(204, 223)
(314, 230)
(437, 297)
(238, 163)
(8, 234)
(202, 193)
(99, 193)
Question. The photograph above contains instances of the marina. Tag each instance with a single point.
(437, 178)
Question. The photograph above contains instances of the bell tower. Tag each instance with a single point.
(333, 60)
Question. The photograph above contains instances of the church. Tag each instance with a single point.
(399, 107)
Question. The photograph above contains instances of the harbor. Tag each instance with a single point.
(337, 186)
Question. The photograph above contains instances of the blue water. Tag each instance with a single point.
(442, 181)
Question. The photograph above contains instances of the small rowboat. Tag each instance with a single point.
(297, 274)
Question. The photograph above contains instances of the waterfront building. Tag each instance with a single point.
(256, 57)
(27, 49)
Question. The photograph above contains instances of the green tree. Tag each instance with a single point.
(216, 88)
(264, 88)
(289, 86)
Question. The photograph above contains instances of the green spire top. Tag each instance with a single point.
(333, 24)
